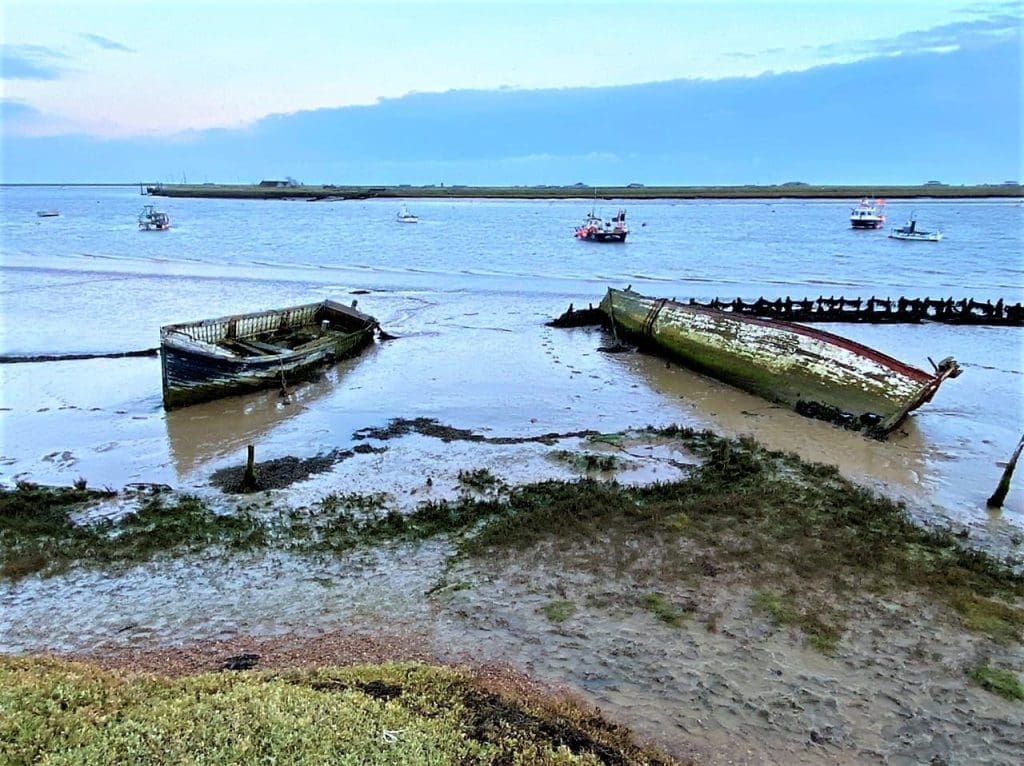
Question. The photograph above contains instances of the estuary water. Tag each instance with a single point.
(467, 291)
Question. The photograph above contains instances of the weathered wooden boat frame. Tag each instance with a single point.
(213, 358)
(819, 374)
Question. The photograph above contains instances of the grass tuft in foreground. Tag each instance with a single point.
(1002, 682)
(386, 714)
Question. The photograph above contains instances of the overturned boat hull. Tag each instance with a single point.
(213, 358)
(817, 373)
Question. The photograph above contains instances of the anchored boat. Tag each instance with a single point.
(819, 374)
(212, 358)
(869, 214)
(151, 219)
(593, 229)
(910, 233)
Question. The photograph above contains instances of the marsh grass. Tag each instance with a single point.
(1005, 683)
(38, 535)
(587, 462)
(386, 714)
(660, 607)
(559, 610)
(783, 610)
(479, 480)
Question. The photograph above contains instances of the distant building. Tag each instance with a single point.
(935, 183)
(634, 186)
(288, 182)
(1011, 183)
(796, 183)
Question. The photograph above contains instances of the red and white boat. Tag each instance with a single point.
(869, 214)
(593, 229)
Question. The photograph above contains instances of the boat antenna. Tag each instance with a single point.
(593, 207)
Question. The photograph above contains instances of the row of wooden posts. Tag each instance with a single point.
(876, 310)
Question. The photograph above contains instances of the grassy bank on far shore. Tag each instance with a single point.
(783, 191)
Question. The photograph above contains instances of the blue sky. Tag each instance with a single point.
(156, 78)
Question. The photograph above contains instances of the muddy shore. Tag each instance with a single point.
(751, 608)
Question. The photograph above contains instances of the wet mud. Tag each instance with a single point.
(284, 471)
(399, 427)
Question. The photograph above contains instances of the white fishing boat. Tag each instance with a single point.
(151, 219)
(404, 216)
(910, 233)
(869, 214)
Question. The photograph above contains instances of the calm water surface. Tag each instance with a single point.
(468, 290)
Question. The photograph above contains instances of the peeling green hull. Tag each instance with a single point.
(817, 373)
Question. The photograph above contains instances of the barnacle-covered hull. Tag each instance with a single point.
(817, 373)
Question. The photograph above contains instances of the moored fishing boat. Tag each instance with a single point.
(212, 358)
(910, 233)
(151, 219)
(593, 229)
(404, 216)
(869, 214)
(819, 374)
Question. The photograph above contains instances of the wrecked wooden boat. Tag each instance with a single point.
(819, 374)
(212, 358)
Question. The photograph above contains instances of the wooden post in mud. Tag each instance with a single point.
(996, 501)
(249, 477)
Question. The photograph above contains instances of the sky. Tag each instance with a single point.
(177, 72)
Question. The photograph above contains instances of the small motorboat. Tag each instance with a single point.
(910, 233)
(593, 229)
(153, 220)
(404, 216)
(47, 213)
(869, 214)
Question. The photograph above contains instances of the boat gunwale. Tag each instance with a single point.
(327, 303)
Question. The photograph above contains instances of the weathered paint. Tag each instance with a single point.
(817, 373)
(196, 369)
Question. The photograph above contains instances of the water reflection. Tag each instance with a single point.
(898, 464)
(205, 432)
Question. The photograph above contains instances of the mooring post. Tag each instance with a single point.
(996, 501)
(249, 478)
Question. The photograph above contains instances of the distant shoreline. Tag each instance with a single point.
(780, 191)
(222, 191)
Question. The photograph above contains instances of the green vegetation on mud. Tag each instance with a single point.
(60, 712)
(799, 529)
(1002, 682)
(37, 533)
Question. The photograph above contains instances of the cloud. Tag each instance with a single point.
(12, 109)
(106, 43)
(946, 37)
(31, 62)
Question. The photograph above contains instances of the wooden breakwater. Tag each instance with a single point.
(965, 311)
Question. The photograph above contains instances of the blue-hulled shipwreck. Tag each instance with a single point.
(212, 358)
